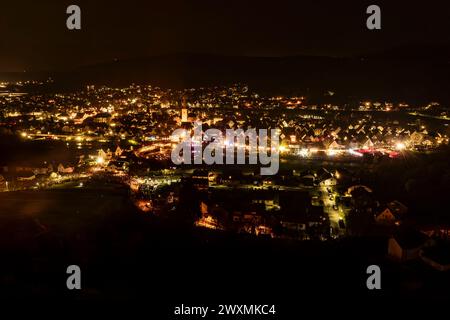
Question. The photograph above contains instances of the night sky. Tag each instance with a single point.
(33, 34)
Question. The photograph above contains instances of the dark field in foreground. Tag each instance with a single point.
(126, 257)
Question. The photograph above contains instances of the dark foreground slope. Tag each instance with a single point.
(128, 258)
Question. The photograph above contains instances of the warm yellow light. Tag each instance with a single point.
(331, 152)
(400, 146)
(282, 149)
(100, 160)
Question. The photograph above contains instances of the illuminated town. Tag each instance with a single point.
(195, 159)
(125, 134)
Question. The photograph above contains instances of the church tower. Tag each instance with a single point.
(184, 110)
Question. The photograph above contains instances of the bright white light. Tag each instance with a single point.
(228, 143)
(355, 153)
(100, 160)
(331, 152)
(304, 152)
(400, 146)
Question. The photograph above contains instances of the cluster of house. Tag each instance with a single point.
(15, 177)
(316, 132)
(392, 213)
(275, 214)
(362, 134)
(18, 177)
(407, 242)
(140, 112)
(430, 245)
(203, 179)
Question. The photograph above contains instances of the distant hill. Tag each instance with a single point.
(400, 75)
(437, 53)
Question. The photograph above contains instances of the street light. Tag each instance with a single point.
(400, 146)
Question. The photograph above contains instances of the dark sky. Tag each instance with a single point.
(33, 34)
